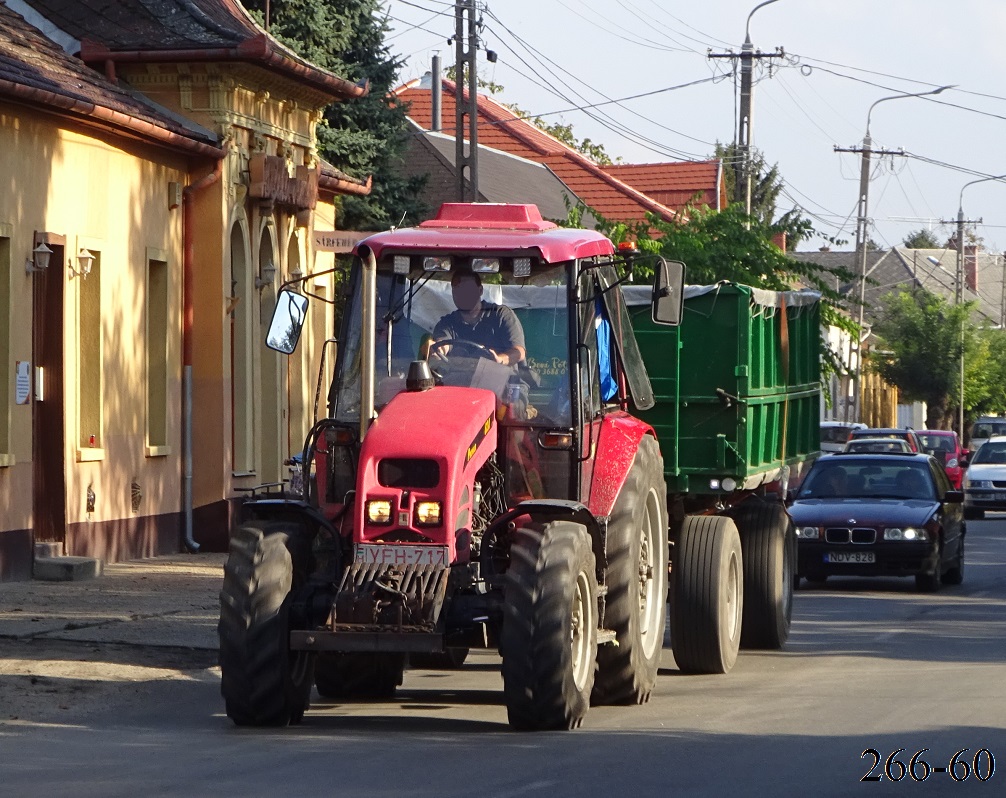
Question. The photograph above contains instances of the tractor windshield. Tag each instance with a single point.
(420, 316)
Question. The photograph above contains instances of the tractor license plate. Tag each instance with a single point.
(397, 554)
(851, 556)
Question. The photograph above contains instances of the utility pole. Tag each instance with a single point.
(742, 168)
(466, 31)
(862, 241)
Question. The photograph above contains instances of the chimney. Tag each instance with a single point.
(779, 239)
(971, 267)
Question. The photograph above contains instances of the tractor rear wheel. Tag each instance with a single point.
(636, 576)
(549, 635)
(369, 676)
(263, 682)
(768, 542)
(708, 595)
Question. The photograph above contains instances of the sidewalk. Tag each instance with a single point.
(163, 602)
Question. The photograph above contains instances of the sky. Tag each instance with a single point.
(554, 57)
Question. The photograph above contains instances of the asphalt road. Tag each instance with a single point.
(871, 664)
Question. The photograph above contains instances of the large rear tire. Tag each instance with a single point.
(549, 635)
(708, 595)
(768, 542)
(263, 682)
(636, 577)
(359, 675)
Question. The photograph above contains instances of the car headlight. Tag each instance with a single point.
(979, 483)
(379, 511)
(808, 532)
(427, 513)
(910, 534)
(952, 462)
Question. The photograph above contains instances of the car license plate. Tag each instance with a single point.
(397, 554)
(851, 556)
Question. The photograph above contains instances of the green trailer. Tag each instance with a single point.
(737, 386)
(737, 390)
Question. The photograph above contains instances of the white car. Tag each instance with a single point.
(985, 479)
(835, 434)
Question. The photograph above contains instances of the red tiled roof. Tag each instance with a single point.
(675, 184)
(615, 195)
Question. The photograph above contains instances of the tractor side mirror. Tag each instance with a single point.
(668, 292)
(287, 321)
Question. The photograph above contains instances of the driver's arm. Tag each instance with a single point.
(510, 350)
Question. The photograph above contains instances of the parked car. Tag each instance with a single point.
(906, 434)
(880, 515)
(878, 446)
(945, 446)
(985, 479)
(835, 434)
(985, 428)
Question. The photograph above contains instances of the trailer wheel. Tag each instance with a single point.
(549, 635)
(636, 576)
(708, 595)
(359, 675)
(263, 682)
(768, 542)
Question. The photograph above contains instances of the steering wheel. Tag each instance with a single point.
(478, 349)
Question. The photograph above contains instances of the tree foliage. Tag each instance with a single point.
(362, 137)
(766, 183)
(924, 337)
(921, 239)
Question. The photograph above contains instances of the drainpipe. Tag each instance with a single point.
(188, 256)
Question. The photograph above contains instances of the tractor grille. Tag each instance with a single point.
(857, 535)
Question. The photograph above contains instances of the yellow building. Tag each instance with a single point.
(160, 181)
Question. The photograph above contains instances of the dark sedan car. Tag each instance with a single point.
(880, 515)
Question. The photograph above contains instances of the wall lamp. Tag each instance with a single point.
(268, 275)
(84, 262)
(39, 260)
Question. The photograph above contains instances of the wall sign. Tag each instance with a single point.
(22, 382)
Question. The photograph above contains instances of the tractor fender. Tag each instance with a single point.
(545, 510)
(618, 440)
(287, 510)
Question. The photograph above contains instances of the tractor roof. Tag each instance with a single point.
(492, 228)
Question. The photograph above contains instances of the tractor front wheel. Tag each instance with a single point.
(549, 635)
(263, 682)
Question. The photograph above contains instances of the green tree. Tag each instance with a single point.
(921, 239)
(362, 137)
(923, 336)
(766, 183)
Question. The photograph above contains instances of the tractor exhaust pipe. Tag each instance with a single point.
(367, 341)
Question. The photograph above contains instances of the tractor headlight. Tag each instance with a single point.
(427, 513)
(909, 534)
(379, 511)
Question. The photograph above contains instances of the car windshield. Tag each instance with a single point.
(409, 308)
(987, 429)
(990, 453)
(867, 445)
(859, 479)
(936, 444)
(835, 434)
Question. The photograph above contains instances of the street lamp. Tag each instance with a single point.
(743, 189)
(861, 234)
(959, 294)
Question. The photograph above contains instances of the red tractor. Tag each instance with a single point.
(455, 500)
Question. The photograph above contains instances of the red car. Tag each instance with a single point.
(946, 447)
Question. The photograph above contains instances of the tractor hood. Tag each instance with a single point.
(425, 446)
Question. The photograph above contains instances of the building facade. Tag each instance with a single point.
(164, 153)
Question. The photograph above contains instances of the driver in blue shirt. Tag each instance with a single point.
(496, 327)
